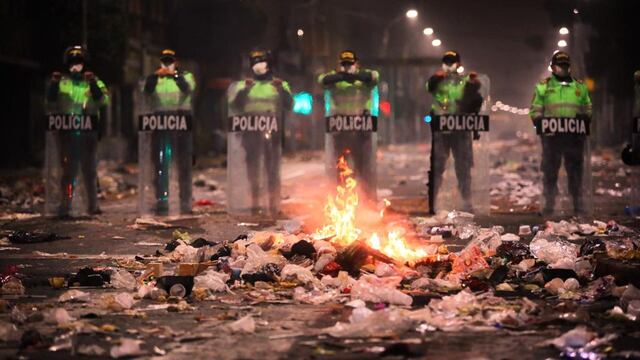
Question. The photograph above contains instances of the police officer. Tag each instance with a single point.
(77, 91)
(454, 93)
(263, 93)
(561, 95)
(350, 93)
(169, 89)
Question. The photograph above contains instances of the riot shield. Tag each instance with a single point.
(165, 158)
(352, 132)
(565, 170)
(70, 176)
(254, 151)
(459, 163)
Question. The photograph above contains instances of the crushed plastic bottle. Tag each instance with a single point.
(559, 254)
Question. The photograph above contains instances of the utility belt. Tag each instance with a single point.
(460, 123)
(180, 120)
(351, 123)
(557, 125)
(72, 122)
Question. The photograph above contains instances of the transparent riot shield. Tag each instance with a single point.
(165, 158)
(352, 132)
(459, 161)
(70, 175)
(565, 169)
(254, 151)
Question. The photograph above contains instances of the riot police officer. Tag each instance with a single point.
(169, 91)
(352, 91)
(75, 92)
(267, 96)
(453, 93)
(562, 96)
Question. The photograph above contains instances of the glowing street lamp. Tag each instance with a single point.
(563, 31)
(300, 33)
(412, 13)
(436, 42)
(562, 43)
(428, 31)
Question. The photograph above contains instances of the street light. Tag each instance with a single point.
(436, 42)
(428, 31)
(563, 31)
(300, 33)
(412, 13)
(562, 43)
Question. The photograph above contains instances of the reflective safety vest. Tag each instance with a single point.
(263, 97)
(553, 98)
(167, 95)
(448, 93)
(74, 97)
(351, 98)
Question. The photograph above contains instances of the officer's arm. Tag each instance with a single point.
(331, 78)
(367, 76)
(239, 99)
(150, 83)
(53, 89)
(104, 92)
(182, 83)
(285, 95)
(96, 91)
(586, 107)
(434, 81)
(536, 110)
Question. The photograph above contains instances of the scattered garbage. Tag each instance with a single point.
(126, 348)
(25, 237)
(246, 325)
(74, 295)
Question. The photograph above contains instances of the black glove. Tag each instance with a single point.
(476, 135)
(364, 76)
(333, 78)
(182, 83)
(96, 92)
(150, 83)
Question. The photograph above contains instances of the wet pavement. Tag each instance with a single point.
(283, 324)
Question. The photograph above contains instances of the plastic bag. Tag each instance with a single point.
(374, 289)
(117, 302)
(299, 273)
(58, 316)
(127, 347)
(122, 279)
(212, 280)
(559, 254)
(74, 295)
(383, 323)
(245, 325)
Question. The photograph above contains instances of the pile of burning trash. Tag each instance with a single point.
(442, 273)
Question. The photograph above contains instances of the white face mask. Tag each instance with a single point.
(76, 68)
(171, 67)
(260, 68)
(450, 68)
(350, 69)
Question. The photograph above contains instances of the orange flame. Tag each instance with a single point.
(340, 214)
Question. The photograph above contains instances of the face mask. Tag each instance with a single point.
(561, 71)
(76, 68)
(350, 69)
(171, 67)
(450, 68)
(260, 68)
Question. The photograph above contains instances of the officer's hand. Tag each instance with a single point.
(56, 76)
(163, 72)
(276, 82)
(89, 76)
(248, 82)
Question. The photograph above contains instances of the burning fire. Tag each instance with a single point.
(340, 214)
